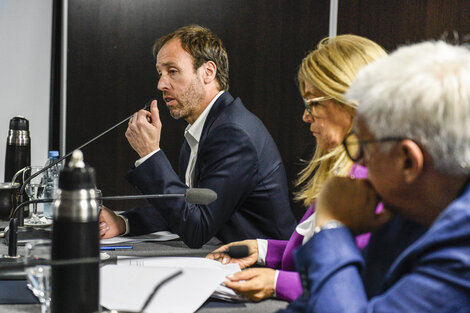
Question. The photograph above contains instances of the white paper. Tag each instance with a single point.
(222, 292)
(127, 285)
(181, 262)
(158, 236)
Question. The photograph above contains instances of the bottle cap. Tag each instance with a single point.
(19, 123)
(53, 154)
(76, 175)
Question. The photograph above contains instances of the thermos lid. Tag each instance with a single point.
(53, 154)
(19, 123)
(76, 176)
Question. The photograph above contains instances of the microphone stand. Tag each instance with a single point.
(192, 195)
(21, 221)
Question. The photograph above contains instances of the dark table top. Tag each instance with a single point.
(166, 248)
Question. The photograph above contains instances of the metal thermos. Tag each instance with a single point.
(18, 153)
(75, 236)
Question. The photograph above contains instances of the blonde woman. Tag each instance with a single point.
(324, 76)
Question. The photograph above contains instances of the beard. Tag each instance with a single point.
(189, 102)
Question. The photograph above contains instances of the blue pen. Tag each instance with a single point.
(115, 247)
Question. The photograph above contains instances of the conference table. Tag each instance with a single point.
(165, 248)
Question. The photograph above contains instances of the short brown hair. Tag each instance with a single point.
(203, 45)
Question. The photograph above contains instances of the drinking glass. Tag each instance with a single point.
(34, 190)
(99, 194)
(39, 276)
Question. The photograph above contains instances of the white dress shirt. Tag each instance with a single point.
(192, 133)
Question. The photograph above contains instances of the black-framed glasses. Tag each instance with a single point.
(355, 147)
(312, 101)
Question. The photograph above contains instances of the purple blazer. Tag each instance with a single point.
(280, 253)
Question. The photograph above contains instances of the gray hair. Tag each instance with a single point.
(420, 92)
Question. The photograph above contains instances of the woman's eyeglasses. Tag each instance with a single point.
(314, 101)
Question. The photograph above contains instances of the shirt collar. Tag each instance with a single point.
(193, 131)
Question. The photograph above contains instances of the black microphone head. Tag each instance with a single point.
(200, 196)
(238, 252)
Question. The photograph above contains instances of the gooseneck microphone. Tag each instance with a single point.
(193, 195)
(202, 196)
(21, 220)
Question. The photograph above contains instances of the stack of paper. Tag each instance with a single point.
(128, 284)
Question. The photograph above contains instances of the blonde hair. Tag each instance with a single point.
(331, 68)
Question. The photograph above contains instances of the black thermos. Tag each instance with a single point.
(18, 153)
(75, 288)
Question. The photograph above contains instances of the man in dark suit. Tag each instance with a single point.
(227, 149)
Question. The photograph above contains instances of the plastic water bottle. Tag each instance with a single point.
(51, 178)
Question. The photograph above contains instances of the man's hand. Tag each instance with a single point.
(111, 225)
(144, 130)
(353, 202)
(255, 283)
(243, 262)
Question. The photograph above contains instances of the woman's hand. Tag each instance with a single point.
(245, 262)
(255, 284)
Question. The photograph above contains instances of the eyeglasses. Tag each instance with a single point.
(355, 147)
(314, 101)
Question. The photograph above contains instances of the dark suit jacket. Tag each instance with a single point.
(428, 273)
(238, 159)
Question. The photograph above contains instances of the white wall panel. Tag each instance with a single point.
(25, 58)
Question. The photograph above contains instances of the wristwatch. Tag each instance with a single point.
(328, 225)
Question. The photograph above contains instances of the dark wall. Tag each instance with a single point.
(111, 72)
(392, 23)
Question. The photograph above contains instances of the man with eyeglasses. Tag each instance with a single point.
(412, 132)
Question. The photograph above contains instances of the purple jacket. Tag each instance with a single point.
(280, 253)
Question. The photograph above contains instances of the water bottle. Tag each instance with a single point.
(51, 178)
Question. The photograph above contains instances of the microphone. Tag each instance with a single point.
(21, 220)
(157, 287)
(193, 195)
(235, 252)
(201, 196)
(25, 183)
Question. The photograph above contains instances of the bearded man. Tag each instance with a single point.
(227, 149)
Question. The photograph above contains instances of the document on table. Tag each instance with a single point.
(127, 285)
(158, 236)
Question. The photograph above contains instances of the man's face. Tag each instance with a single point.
(384, 169)
(182, 87)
